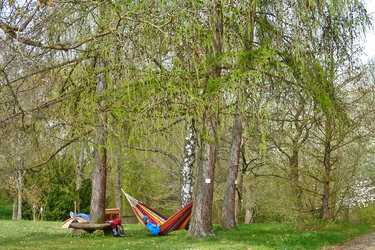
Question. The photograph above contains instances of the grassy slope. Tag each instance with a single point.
(49, 235)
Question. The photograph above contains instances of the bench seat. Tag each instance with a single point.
(85, 227)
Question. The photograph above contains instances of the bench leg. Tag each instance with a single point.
(79, 232)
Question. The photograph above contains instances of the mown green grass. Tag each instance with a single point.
(49, 235)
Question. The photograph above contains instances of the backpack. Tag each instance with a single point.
(117, 229)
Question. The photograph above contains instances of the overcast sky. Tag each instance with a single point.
(370, 37)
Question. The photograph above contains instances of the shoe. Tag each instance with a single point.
(71, 214)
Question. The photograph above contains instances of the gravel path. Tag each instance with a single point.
(366, 242)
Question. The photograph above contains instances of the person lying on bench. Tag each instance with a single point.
(86, 217)
(153, 228)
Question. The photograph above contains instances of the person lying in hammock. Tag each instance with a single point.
(82, 215)
(153, 228)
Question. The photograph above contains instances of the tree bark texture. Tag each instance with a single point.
(201, 219)
(186, 181)
(97, 214)
(228, 218)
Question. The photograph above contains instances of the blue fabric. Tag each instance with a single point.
(153, 228)
(83, 216)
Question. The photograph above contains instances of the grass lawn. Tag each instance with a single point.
(49, 235)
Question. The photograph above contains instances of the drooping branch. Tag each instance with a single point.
(56, 152)
(51, 156)
(13, 32)
(174, 158)
(51, 67)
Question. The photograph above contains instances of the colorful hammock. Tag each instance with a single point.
(177, 221)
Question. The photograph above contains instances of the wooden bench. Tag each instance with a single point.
(112, 213)
(85, 227)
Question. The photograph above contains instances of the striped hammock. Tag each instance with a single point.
(177, 221)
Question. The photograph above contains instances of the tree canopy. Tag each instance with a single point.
(257, 93)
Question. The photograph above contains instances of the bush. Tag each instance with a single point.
(6, 207)
(60, 201)
(27, 211)
(6, 212)
(367, 215)
(54, 188)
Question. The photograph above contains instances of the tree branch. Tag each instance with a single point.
(157, 150)
(56, 152)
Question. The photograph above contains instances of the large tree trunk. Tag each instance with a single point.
(327, 173)
(228, 218)
(186, 181)
(97, 214)
(201, 219)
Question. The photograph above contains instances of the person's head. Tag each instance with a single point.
(145, 219)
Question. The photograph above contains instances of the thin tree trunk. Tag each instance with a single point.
(240, 188)
(248, 41)
(34, 212)
(41, 213)
(249, 217)
(79, 166)
(15, 211)
(294, 162)
(327, 173)
(19, 194)
(294, 176)
(240, 197)
(118, 190)
(228, 219)
(97, 214)
(201, 219)
(346, 215)
(186, 181)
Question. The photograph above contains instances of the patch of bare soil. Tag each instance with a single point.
(364, 242)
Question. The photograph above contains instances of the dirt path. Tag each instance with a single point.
(362, 242)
